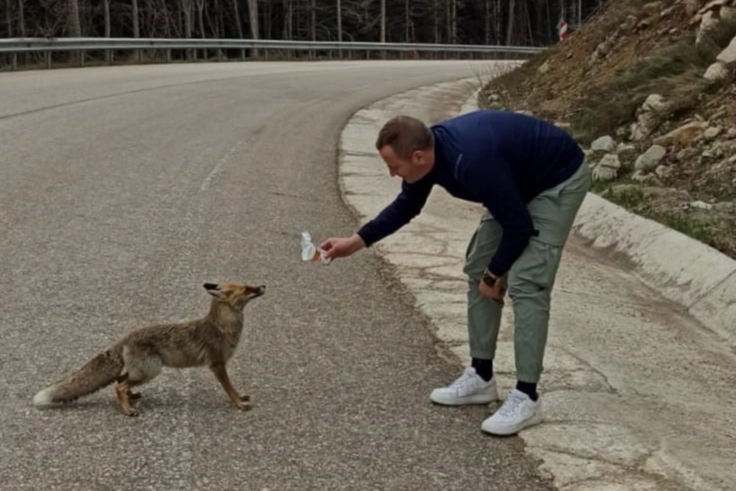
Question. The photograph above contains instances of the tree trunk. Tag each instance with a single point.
(406, 21)
(435, 27)
(134, 19)
(454, 22)
(73, 24)
(510, 23)
(383, 21)
(106, 13)
(487, 23)
(237, 19)
(339, 14)
(253, 20)
(9, 18)
(200, 5)
(21, 19)
(288, 22)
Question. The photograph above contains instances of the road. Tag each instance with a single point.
(122, 190)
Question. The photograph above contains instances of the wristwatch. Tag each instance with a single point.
(489, 278)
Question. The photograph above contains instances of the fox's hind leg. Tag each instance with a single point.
(122, 392)
(139, 368)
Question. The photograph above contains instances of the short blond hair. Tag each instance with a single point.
(405, 135)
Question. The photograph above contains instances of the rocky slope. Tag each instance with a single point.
(648, 90)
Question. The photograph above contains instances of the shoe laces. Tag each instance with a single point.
(511, 404)
(467, 379)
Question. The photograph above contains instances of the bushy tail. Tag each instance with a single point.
(99, 372)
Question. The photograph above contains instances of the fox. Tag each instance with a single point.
(137, 358)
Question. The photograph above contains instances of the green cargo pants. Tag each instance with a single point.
(530, 280)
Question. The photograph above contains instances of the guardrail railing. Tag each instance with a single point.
(15, 46)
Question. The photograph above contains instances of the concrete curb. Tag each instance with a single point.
(680, 268)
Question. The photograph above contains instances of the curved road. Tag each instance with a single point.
(122, 190)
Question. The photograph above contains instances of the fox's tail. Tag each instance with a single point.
(99, 372)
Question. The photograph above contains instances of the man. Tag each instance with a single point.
(531, 177)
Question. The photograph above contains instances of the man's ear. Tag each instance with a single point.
(421, 157)
(214, 290)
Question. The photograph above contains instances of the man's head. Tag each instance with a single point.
(406, 145)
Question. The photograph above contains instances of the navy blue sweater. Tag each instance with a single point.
(500, 159)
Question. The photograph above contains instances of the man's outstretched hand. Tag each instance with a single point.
(342, 247)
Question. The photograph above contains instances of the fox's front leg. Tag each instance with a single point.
(222, 375)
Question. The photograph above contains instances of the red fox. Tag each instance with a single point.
(138, 357)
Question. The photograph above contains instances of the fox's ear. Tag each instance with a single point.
(213, 289)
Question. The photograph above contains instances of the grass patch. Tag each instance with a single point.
(632, 197)
(701, 231)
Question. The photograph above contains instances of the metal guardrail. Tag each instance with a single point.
(26, 45)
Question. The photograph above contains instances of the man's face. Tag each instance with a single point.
(410, 170)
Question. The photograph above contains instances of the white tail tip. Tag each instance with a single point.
(43, 398)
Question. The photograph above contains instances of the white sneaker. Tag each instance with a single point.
(517, 412)
(469, 388)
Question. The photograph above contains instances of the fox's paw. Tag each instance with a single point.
(245, 398)
(243, 406)
(132, 412)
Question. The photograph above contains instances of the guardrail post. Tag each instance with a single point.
(48, 59)
(14, 61)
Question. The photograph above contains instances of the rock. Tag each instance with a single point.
(562, 125)
(545, 67)
(607, 168)
(712, 132)
(601, 50)
(726, 13)
(652, 7)
(688, 133)
(686, 154)
(650, 159)
(629, 23)
(707, 21)
(730, 133)
(667, 12)
(626, 152)
(648, 117)
(644, 24)
(700, 205)
(622, 132)
(494, 97)
(712, 4)
(728, 54)
(603, 173)
(692, 6)
(604, 144)
(647, 179)
(716, 71)
(664, 172)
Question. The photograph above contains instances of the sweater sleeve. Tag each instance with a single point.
(495, 187)
(399, 213)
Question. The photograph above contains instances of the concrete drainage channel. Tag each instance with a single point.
(639, 377)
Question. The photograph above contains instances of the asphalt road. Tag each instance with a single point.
(122, 190)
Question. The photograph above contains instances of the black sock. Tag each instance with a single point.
(528, 388)
(484, 368)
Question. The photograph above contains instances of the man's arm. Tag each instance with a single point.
(399, 213)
